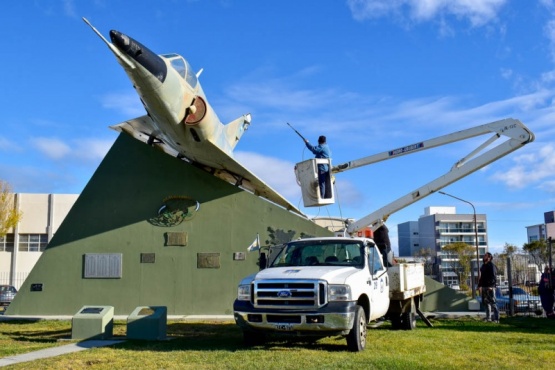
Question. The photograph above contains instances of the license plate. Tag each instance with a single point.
(284, 327)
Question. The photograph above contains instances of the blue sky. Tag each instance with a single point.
(370, 75)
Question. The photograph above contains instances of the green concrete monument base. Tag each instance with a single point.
(148, 323)
(93, 322)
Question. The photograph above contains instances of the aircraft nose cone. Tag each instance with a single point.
(140, 53)
(123, 42)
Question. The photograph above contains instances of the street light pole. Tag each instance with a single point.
(476, 240)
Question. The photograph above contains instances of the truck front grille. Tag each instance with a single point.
(291, 294)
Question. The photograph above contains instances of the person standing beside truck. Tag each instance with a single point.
(322, 150)
(486, 284)
(545, 289)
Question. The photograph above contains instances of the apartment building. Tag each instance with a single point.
(438, 227)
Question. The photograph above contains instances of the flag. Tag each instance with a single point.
(255, 245)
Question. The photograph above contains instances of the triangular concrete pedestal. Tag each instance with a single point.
(113, 249)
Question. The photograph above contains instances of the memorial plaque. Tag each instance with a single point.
(208, 260)
(239, 256)
(176, 239)
(102, 265)
(92, 310)
(148, 257)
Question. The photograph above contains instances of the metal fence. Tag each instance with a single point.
(17, 281)
(517, 290)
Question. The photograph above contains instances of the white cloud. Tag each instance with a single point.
(280, 92)
(477, 12)
(548, 186)
(92, 149)
(286, 184)
(350, 195)
(532, 168)
(8, 145)
(273, 96)
(548, 4)
(277, 173)
(51, 147)
(69, 8)
(127, 103)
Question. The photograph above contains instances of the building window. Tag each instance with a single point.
(32, 242)
(6, 243)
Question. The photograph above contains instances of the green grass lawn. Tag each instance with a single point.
(517, 343)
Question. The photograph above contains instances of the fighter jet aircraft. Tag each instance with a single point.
(178, 117)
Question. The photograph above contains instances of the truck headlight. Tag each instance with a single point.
(244, 292)
(339, 293)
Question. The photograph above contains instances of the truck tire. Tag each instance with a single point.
(408, 320)
(356, 339)
(253, 338)
(396, 321)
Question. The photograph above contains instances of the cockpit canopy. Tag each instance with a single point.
(182, 67)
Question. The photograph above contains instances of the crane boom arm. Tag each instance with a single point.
(517, 136)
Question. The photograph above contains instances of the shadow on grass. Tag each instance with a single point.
(220, 336)
(523, 324)
(27, 331)
(226, 337)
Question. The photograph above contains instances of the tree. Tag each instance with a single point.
(538, 252)
(509, 250)
(464, 252)
(427, 255)
(9, 216)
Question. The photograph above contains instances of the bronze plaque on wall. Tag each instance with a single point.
(148, 257)
(176, 239)
(208, 260)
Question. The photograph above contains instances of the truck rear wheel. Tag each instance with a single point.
(408, 320)
(356, 339)
(396, 321)
(253, 338)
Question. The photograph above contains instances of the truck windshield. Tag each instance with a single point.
(321, 253)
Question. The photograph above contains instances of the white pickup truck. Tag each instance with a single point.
(325, 287)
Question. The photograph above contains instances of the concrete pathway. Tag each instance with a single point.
(56, 351)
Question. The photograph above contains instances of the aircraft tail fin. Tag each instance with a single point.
(236, 128)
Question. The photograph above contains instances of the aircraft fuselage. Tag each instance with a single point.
(174, 100)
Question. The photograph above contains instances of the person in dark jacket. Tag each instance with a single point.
(486, 284)
(381, 238)
(545, 289)
(322, 151)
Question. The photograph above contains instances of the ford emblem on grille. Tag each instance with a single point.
(284, 294)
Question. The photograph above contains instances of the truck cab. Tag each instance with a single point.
(316, 287)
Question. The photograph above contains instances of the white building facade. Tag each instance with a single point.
(542, 231)
(20, 249)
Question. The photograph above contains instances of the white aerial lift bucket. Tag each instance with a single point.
(307, 178)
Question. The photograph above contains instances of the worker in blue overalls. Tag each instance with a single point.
(322, 151)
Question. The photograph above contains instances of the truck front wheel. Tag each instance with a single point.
(356, 339)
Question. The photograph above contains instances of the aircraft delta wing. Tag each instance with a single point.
(179, 119)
